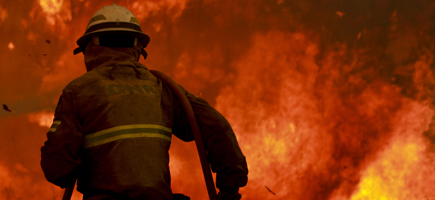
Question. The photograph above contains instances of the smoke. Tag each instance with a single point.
(318, 92)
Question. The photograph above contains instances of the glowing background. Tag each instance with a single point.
(330, 99)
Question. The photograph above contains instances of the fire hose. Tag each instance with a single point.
(195, 131)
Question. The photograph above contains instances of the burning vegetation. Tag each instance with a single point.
(328, 99)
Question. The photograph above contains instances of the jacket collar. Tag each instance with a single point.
(97, 56)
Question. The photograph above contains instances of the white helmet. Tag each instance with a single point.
(113, 18)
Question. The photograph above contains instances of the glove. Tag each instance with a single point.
(229, 194)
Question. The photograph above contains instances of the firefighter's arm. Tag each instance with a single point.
(223, 151)
(59, 155)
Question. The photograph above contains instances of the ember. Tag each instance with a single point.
(330, 100)
(11, 46)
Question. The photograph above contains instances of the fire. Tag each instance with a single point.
(57, 13)
(403, 170)
(142, 9)
(340, 14)
(11, 46)
(328, 102)
(3, 14)
(51, 6)
(276, 121)
(291, 138)
(43, 118)
(385, 179)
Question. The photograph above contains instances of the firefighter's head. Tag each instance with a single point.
(113, 26)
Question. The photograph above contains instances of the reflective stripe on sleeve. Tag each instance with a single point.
(54, 126)
(127, 131)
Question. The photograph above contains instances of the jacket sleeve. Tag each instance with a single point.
(60, 161)
(223, 151)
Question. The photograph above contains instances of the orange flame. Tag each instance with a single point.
(403, 170)
(11, 46)
(51, 6)
(43, 118)
(327, 102)
(273, 114)
(57, 12)
(3, 14)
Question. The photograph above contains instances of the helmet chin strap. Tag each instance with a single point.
(144, 53)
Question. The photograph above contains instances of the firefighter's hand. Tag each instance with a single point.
(232, 194)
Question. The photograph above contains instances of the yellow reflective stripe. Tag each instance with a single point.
(125, 136)
(54, 126)
(134, 20)
(127, 131)
(131, 126)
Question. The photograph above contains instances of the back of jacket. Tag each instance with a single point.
(126, 124)
(112, 130)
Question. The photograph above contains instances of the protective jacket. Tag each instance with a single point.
(113, 126)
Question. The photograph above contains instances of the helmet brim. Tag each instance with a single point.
(85, 39)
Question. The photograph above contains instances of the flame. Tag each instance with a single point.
(143, 9)
(288, 137)
(11, 46)
(57, 73)
(3, 14)
(13, 181)
(330, 102)
(57, 13)
(31, 37)
(273, 115)
(403, 170)
(51, 6)
(4, 174)
(340, 14)
(386, 179)
(43, 118)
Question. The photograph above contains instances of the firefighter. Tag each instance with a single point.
(113, 125)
